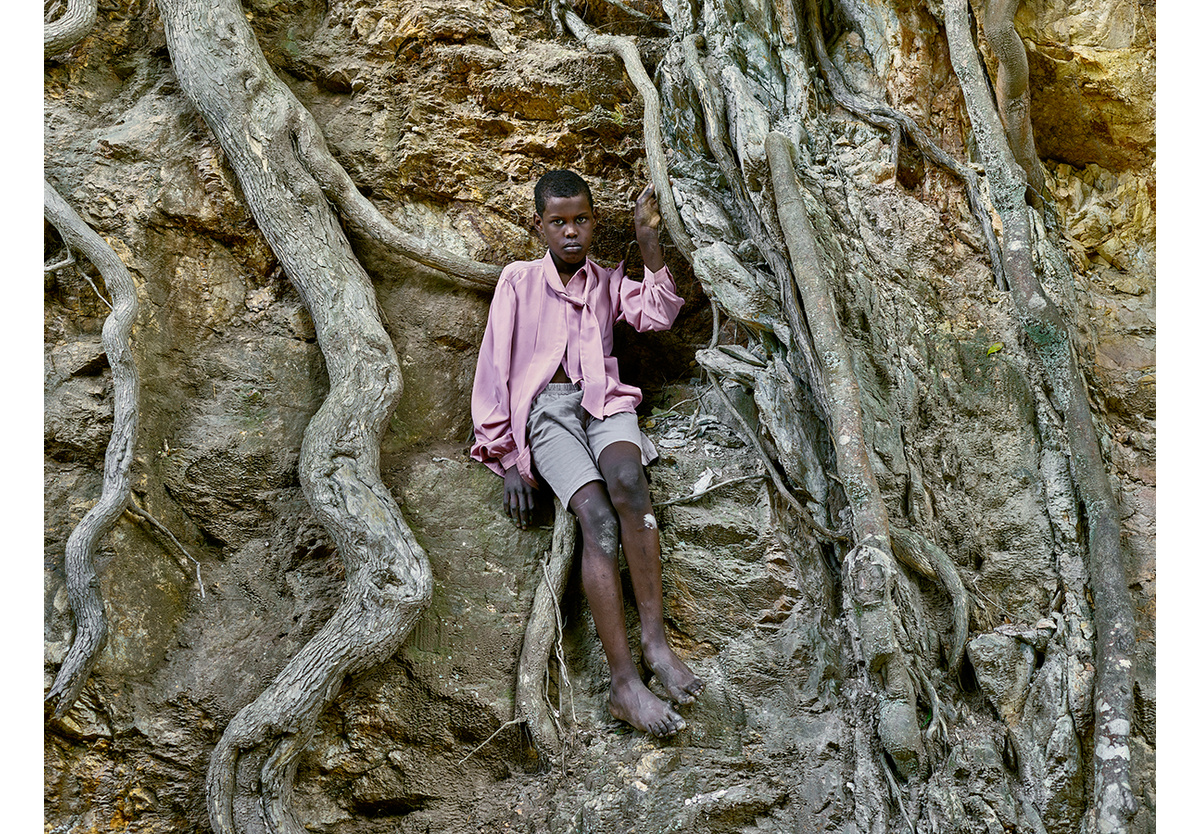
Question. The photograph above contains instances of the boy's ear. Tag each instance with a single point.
(537, 224)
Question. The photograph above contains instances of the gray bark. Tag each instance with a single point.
(1012, 90)
(716, 132)
(264, 132)
(69, 28)
(890, 119)
(870, 567)
(83, 586)
(1043, 324)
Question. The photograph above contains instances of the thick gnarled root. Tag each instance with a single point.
(869, 575)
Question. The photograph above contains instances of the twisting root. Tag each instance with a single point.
(656, 157)
(69, 28)
(83, 586)
(261, 126)
(926, 558)
(1012, 90)
(360, 211)
(1113, 800)
(530, 700)
(886, 118)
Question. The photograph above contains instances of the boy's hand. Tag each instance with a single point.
(518, 497)
(646, 220)
(646, 215)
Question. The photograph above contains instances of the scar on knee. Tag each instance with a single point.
(648, 522)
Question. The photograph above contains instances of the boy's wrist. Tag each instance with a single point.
(652, 255)
(645, 235)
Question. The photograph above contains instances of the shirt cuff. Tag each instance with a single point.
(510, 460)
(662, 273)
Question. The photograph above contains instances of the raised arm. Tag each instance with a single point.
(652, 303)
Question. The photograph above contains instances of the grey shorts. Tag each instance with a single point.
(566, 441)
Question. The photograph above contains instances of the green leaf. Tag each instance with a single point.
(995, 347)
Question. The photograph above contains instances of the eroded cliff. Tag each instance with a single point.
(445, 114)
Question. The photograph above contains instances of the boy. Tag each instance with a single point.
(547, 395)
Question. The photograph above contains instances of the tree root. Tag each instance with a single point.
(69, 28)
(1041, 321)
(715, 132)
(656, 157)
(68, 259)
(938, 731)
(1012, 90)
(637, 15)
(361, 212)
(896, 794)
(83, 586)
(917, 552)
(260, 126)
(893, 121)
(837, 369)
(870, 567)
(530, 700)
(821, 532)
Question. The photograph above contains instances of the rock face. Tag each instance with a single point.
(445, 114)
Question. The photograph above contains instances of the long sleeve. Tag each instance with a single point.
(491, 409)
(650, 304)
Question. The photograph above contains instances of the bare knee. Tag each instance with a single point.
(629, 492)
(600, 529)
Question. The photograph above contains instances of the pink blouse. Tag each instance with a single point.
(535, 325)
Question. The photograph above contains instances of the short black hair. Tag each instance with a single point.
(559, 183)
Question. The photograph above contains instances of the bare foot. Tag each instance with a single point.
(634, 704)
(679, 681)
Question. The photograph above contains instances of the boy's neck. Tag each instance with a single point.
(565, 270)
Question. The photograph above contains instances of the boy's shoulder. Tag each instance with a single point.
(519, 271)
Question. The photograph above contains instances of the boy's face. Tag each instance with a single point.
(567, 225)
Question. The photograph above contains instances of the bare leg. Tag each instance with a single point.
(621, 465)
(629, 699)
